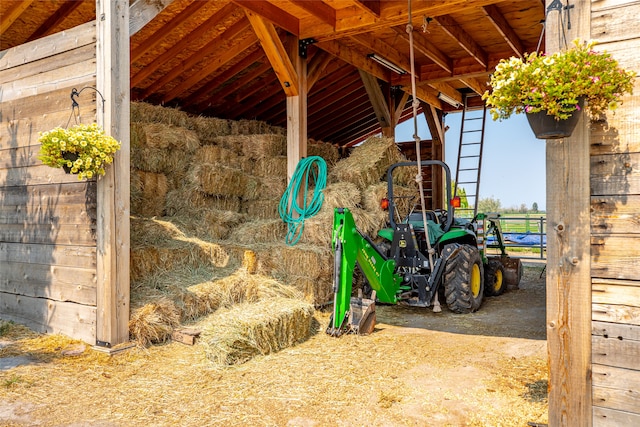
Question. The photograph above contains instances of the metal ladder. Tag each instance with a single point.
(470, 158)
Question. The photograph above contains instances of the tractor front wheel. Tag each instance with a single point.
(463, 278)
(494, 283)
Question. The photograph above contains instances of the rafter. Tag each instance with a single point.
(317, 64)
(428, 49)
(13, 14)
(451, 27)
(500, 23)
(377, 99)
(476, 85)
(320, 10)
(374, 45)
(54, 20)
(142, 12)
(355, 58)
(272, 13)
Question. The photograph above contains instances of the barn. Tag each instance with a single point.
(335, 71)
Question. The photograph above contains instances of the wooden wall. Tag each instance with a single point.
(47, 218)
(615, 233)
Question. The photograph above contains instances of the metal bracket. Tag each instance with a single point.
(103, 344)
(568, 7)
(555, 5)
(302, 46)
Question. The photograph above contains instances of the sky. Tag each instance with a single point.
(513, 161)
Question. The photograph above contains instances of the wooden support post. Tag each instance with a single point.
(297, 113)
(113, 188)
(433, 117)
(568, 255)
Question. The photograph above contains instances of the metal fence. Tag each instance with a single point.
(525, 236)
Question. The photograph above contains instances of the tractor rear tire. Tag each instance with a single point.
(463, 278)
(494, 283)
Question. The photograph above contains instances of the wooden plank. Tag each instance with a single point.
(616, 330)
(618, 134)
(605, 417)
(58, 214)
(69, 256)
(615, 256)
(49, 281)
(616, 352)
(297, 115)
(35, 175)
(112, 80)
(20, 157)
(34, 198)
(378, 101)
(616, 313)
(615, 174)
(41, 315)
(616, 24)
(621, 400)
(61, 234)
(50, 63)
(72, 75)
(612, 377)
(616, 292)
(615, 214)
(54, 44)
(568, 260)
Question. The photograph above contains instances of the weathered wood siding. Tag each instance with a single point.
(615, 230)
(47, 218)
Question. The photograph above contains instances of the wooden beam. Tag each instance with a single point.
(143, 11)
(355, 58)
(158, 36)
(447, 90)
(373, 45)
(569, 257)
(368, 6)
(320, 10)
(500, 23)
(113, 209)
(13, 14)
(272, 13)
(275, 51)
(378, 102)
(425, 95)
(316, 67)
(404, 97)
(477, 85)
(297, 113)
(464, 39)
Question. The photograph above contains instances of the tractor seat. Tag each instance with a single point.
(435, 231)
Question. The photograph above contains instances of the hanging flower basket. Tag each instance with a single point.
(545, 126)
(557, 84)
(84, 150)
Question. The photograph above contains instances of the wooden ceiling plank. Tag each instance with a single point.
(464, 39)
(248, 87)
(377, 99)
(369, 6)
(272, 13)
(352, 112)
(13, 14)
(325, 117)
(223, 54)
(176, 49)
(428, 49)
(447, 90)
(54, 20)
(425, 95)
(477, 85)
(156, 38)
(271, 94)
(320, 10)
(500, 23)
(142, 12)
(275, 51)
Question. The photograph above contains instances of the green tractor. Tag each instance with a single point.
(419, 255)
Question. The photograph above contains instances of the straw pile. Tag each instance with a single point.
(235, 335)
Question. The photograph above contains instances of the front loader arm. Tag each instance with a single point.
(351, 246)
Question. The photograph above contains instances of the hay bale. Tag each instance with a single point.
(265, 145)
(309, 260)
(317, 229)
(318, 291)
(270, 167)
(209, 223)
(144, 112)
(208, 128)
(405, 199)
(153, 322)
(217, 179)
(368, 163)
(215, 154)
(328, 152)
(189, 200)
(255, 127)
(340, 195)
(160, 135)
(253, 188)
(261, 209)
(236, 335)
(260, 231)
(172, 163)
(150, 194)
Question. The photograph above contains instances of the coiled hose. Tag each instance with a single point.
(310, 170)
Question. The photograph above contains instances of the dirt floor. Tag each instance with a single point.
(418, 368)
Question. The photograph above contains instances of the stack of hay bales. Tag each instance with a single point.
(205, 195)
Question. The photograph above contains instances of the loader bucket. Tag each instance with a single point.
(512, 271)
(362, 315)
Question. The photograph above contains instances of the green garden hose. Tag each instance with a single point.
(310, 170)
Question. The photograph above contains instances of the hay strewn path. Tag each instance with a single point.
(418, 369)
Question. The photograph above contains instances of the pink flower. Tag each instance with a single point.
(595, 79)
(528, 108)
(578, 107)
